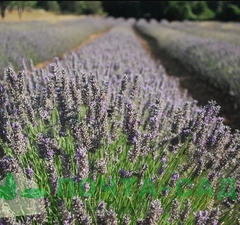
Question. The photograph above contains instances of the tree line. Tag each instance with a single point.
(175, 10)
(170, 10)
(60, 7)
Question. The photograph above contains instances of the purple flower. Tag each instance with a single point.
(127, 71)
(101, 205)
(79, 154)
(203, 215)
(86, 186)
(5, 164)
(122, 172)
(128, 174)
(165, 192)
(186, 131)
(175, 176)
(137, 133)
(202, 142)
(76, 179)
(153, 120)
(29, 171)
(160, 171)
(211, 140)
(46, 78)
(164, 160)
(50, 152)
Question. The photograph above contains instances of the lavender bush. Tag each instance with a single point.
(212, 60)
(41, 41)
(109, 112)
(201, 29)
(232, 27)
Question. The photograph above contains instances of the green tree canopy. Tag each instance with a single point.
(81, 7)
(174, 10)
(19, 5)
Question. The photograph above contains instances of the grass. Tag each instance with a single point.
(128, 202)
(37, 15)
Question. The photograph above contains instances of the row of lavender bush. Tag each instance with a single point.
(212, 60)
(109, 111)
(230, 35)
(41, 41)
(232, 27)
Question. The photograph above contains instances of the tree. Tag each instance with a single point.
(190, 10)
(176, 10)
(232, 12)
(67, 6)
(3, 6)
(125, 9)
(229, 11)
(81, 7)
(21, 5)
(88, 7)
(153, 9)
(53, 6)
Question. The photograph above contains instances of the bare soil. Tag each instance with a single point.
(76, 48)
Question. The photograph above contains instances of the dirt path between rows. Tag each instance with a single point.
(197, 88)
(76, 48)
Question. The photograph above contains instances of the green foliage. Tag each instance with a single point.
(53, 6)
(81, 7)
(229, 12)
(171, 10)
(3, 6)
(67, 6)
(190, 10)
(202, 11)
(87, 8)
(115, 8)
(22, 4)
(153, 9)
(174, 10)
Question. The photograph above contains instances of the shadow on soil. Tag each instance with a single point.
(198, 89)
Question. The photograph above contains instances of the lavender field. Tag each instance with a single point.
(212, 55)
(136, 149)
(41, 41)
(228, 32)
